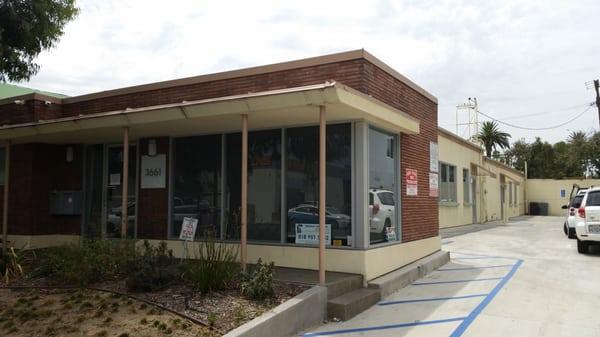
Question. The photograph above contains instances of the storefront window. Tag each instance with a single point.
(382, 187)
(302, 189)
(264, 186)
(197, 183)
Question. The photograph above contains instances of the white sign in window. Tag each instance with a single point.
(188, 229)
(308, 233)
(154, 171)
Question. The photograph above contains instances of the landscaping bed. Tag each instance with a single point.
(141, 291)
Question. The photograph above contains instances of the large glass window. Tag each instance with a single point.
(447, 183)
(264, 186)
(302, 178)
(197, 183)
(382, 187)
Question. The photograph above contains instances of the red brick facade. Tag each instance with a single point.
(39, 168)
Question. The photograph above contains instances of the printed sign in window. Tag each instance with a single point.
(188, 229)
(308, 233)
(154, 171)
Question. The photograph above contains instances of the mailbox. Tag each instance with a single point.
(65, 202)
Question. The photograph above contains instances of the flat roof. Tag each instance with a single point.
(307, 62)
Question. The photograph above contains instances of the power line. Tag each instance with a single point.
(539, 129)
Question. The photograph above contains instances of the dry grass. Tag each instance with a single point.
(87, 313)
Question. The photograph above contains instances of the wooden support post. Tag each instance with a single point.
(244, 203)
(125, 186)
(6, 195)
(322, 185)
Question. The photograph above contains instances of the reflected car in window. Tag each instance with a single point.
(306, 213)
(382, 213)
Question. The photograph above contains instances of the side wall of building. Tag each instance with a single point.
(490, 179)
(555, 192)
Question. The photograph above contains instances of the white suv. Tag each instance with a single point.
(588, 228)
(573, 214)
(382, 210)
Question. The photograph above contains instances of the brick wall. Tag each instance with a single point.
(36, 170)
(419, 213)
(153, 211)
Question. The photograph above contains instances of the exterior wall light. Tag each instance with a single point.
(70, 154)
(152, 147)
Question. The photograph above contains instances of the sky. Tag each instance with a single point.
(526, 62)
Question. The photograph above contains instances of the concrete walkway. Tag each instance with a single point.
(524, 278)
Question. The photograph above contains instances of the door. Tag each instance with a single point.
(104, 188)
(474, 199)
(502, 188)
(114, 191)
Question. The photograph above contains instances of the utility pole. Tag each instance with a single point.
(596, 87)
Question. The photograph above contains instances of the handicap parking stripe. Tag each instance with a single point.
(465, 321)
(384, 327)
(460, 330)
(431, 299)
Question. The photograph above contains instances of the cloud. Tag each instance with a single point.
(516, 57)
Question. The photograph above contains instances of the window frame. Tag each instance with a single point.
(447, 187)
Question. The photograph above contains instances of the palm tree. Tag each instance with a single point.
(491, 137)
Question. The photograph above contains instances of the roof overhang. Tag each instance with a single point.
(486, 171)
(268, 109)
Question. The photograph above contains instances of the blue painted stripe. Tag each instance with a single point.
(383, 327)
(447, 242)
(457, 281)
(431, 299)
(460, 330)
(469, 268)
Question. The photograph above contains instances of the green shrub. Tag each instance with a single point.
(214, 266)
(152, 268)
(258, 283)
(82, 264)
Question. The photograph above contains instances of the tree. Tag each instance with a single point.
(491, 137)
(26, 28)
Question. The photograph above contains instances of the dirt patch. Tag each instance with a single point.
(225, 310)
(87, 313)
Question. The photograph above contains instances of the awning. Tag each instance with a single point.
(269, 109)
(486, 171)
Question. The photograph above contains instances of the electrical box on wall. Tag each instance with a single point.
(65, 202)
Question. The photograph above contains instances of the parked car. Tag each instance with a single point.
(382, 210)
(572, 214)
(588, 228)
(307, 213)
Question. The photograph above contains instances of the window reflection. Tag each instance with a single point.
(264, 186)
(197, 183)
(382, 177)
(302, 164)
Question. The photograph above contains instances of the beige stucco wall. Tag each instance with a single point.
(492, 192)
(369, 263)
(548, 190)
(40, 241)
(487, 199)
(461, 156)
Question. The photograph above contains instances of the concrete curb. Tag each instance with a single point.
(406, 275)
(304, 311)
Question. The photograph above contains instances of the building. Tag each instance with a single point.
(154, 154)
(474, 188)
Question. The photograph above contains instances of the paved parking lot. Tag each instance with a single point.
(524, 278)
